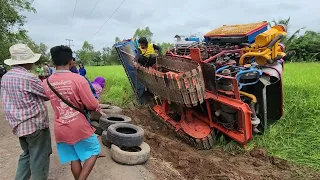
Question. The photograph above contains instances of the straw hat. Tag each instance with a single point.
(21, 54)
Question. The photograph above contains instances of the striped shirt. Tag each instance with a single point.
(23, 101)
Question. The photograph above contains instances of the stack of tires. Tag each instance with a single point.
(95, 118)
(124, 139)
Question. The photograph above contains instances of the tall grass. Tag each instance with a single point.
(296, 137)
(118, 90)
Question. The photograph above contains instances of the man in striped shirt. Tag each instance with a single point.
(23, 102)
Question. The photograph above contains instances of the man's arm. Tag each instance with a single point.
(86, 96)
(35, 87)
(92, 88)
(158, 48)
(138, 55)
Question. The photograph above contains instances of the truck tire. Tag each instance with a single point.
(98, 130)
(125, 135)
(109, 109)
(130, 156)
(106, 121)
(105, 140)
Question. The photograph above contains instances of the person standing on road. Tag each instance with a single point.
(73, 67)
(70, 95)
(23, 103)
(82, 70)
(52, 69)
(46, 70)
(40, 72)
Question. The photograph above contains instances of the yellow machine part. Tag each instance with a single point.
(259, 49)
(266, 37)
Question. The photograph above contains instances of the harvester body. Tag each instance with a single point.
(232, 84)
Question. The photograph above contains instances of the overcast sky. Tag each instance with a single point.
(54, 20)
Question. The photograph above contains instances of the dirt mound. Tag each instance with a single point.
(211, 164)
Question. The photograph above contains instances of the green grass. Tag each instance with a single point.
(118, 90)
(296, 137)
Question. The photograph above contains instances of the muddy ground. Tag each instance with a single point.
(174, 159)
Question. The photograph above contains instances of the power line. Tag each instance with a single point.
(74, 10)
(93, 9)
(108, 19)
(90, 13)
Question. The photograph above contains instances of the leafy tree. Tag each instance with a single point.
(287, 40)
(97, 58)
(86, 54)
(106, 55)
(144, 33)
(117, 39)
(165, 46)
(306, 47)
(10, 19)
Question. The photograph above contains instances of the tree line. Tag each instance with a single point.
(305, 47)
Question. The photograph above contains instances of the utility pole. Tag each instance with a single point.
(69, 40)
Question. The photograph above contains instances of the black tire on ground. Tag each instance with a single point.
(104, 106)
(125, 135)
(98, 130)
(95, 116)
(109, 109)
(130, 156)
(106, 121)
(105, 140)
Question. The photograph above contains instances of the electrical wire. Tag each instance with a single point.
(107, 19)
(92, 11)
(74, 10)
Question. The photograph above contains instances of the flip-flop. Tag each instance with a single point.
(101, 155)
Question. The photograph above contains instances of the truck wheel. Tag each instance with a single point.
(105, 140)
(98, 130)
(125, 135)
(106, 121)
(109, 109)
(130, 156)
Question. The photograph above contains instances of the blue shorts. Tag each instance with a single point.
(82, 150)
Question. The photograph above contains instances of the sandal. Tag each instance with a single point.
(101, 155)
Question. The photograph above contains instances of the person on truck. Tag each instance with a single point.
(147, 53)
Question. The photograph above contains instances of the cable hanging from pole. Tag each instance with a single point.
(74, 10)
(108, 19)
(92, 10)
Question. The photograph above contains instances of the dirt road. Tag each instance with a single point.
(105, 168)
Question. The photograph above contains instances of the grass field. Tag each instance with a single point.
(296, 137)
(118, 90)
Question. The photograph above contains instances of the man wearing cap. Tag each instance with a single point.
(23, 103)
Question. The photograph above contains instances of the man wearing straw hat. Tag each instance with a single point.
(23, 103)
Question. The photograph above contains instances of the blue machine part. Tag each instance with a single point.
(127, 51)
(196, 39)
(252, 37)
(243, 71)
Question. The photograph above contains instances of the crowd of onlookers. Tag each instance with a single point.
(72, 96)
